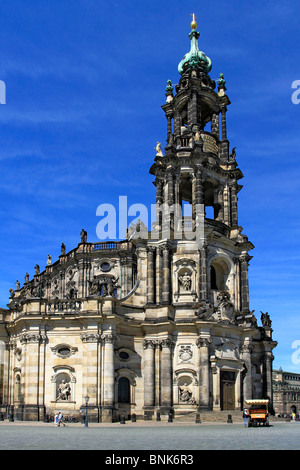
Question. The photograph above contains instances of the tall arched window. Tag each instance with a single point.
(213, 278)
(219, 272)
(123, 390)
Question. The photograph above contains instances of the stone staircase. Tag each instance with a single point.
(209, 417)
(214, 417)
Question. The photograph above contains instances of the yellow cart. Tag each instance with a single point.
(257, 412)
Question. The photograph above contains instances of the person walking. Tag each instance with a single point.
(245, 416)
(56, 420)
(60, 419)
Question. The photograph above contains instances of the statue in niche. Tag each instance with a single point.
(103, 286)
(185, 282)
(64, 391)
(185, 395)
(71, 291)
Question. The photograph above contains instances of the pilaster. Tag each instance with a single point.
(203, 344)
(149, 378)
(108, 377)
(166, 376)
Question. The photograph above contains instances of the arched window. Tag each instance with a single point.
(213, 278)
(123, 390)
(219, 272)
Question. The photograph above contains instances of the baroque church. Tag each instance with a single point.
(158, 323)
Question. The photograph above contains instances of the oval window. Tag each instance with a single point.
(124, 355)
(105, 266)
(65, 351)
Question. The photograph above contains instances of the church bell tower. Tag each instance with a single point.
(199, 173)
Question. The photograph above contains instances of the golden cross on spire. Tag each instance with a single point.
(193, 23)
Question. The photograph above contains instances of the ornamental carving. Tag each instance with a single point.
(103, 285)
(26, 338)
(158, 343)
(90, 337)
(226, 350)
(223, 312)
(185, 353)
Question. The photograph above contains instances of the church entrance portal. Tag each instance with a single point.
(227, 390)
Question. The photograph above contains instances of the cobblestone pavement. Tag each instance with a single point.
(152, 436)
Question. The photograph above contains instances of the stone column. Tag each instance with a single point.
(166, 376)
(169, 125)
(203, 272)
(159, 274)
(177, 122)
(192, 110)
(244, 289)
(215, 384)
(150, 275)
(149, 378)
(81, 276)
(224, 127)
(108, 378)
(233, 204)
(199, 207)
(246, 351)
(203, 344)
(226, 201)
(220, 198)
(159, 203)
(268, 365)
(141, 255)
(198, 193)
(166, 275)
(171, 197)
(215, 125)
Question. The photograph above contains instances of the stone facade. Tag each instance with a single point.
(286, 391)
(156, 323)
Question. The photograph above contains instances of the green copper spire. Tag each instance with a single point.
(195, 58)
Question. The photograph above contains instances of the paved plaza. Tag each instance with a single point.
(153, 436)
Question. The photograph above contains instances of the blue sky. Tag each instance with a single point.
(85, 81)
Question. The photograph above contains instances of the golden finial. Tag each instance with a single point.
(193, 23)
